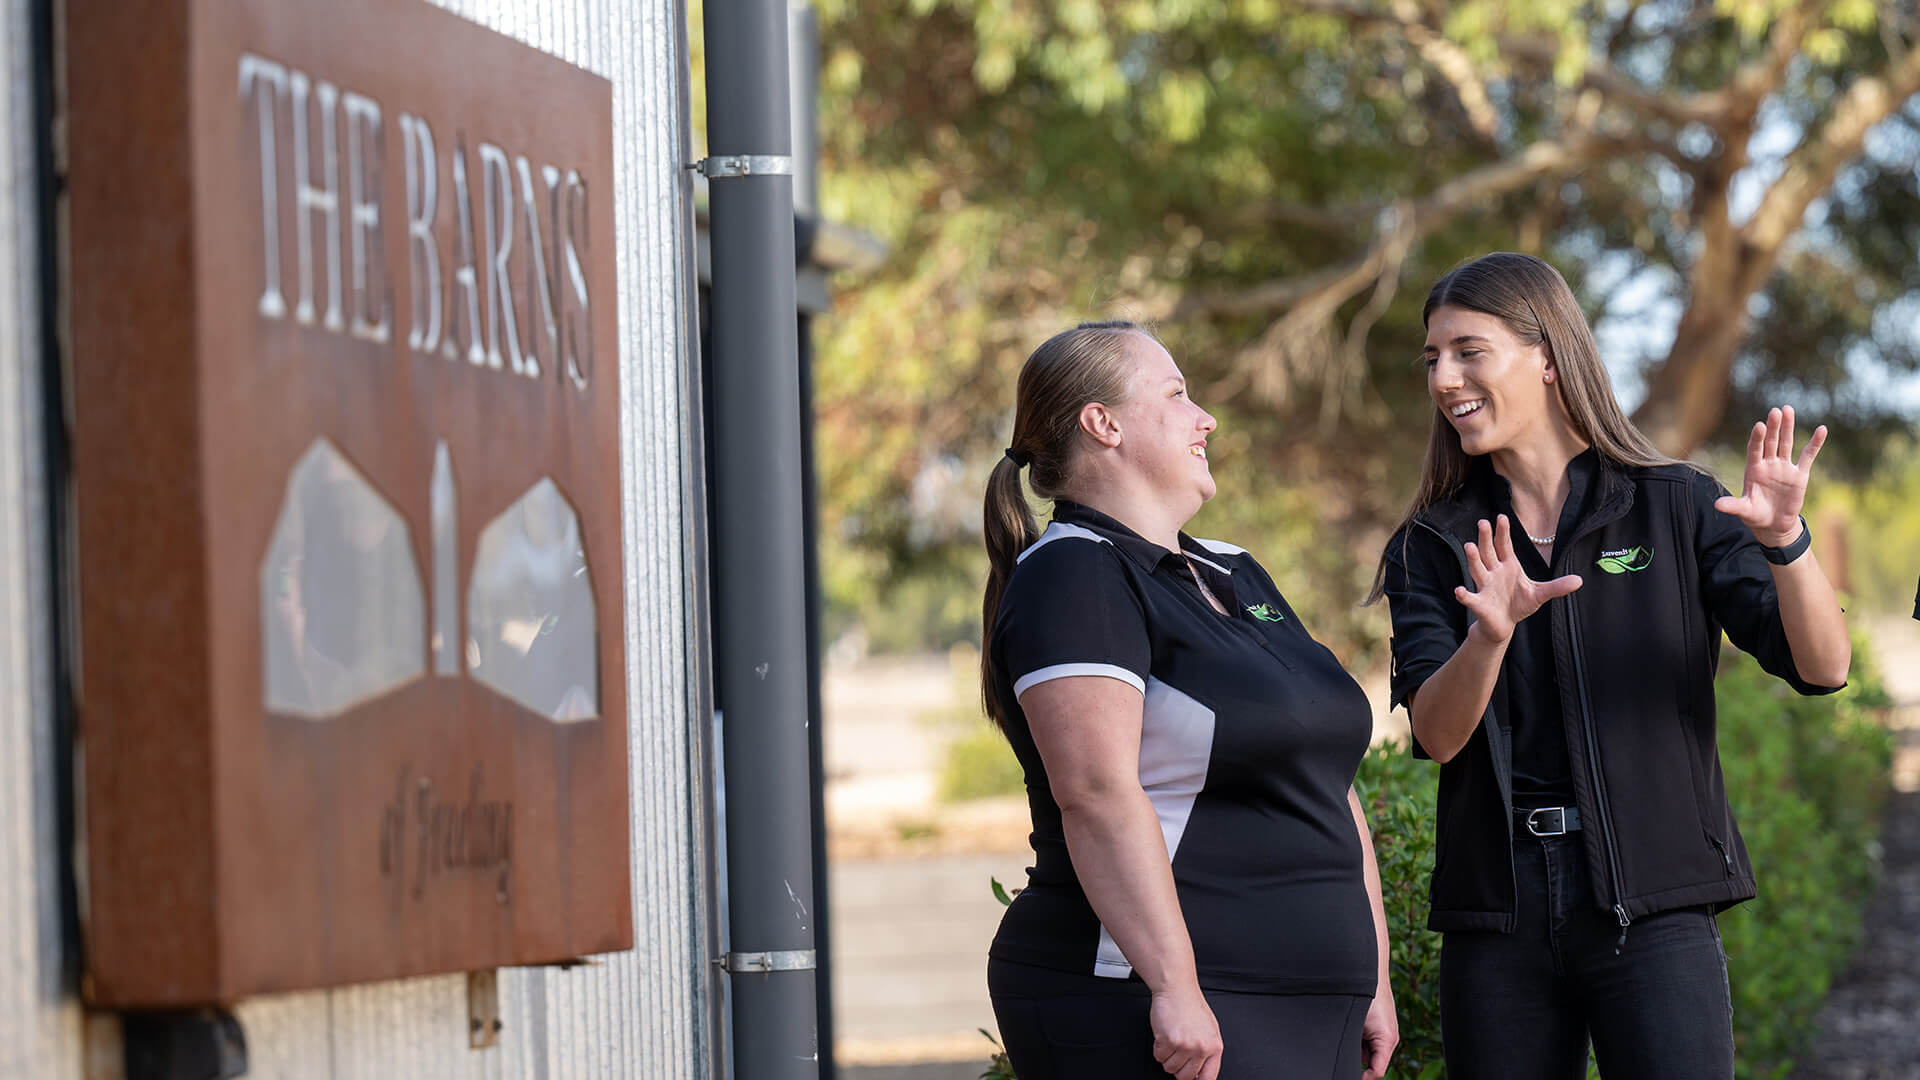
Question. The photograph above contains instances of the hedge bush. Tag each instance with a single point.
(1807, 778)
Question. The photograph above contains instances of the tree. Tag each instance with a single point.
(1276, 183)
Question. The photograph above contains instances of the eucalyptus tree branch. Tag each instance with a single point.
(1439, 207)
(1812, 166)
(1446, 58)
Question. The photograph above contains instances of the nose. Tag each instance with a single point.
(1207, 422)
(1444, 376)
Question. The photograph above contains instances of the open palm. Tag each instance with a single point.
(1775, 485)
(1502, 593)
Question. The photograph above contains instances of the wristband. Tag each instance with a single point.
(1781, 556)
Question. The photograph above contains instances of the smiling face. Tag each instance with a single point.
(1164, 434)
(1496, 390)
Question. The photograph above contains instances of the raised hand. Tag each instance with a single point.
(1775, 485)
(1502, 593)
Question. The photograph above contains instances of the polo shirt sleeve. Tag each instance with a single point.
(1070, 609)
(1739, 589)
(1428, 623)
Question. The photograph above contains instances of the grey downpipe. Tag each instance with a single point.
(759, 565)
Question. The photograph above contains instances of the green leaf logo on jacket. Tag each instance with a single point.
(1266, 612)
(1626, 561)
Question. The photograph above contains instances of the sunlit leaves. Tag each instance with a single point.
(1034, 162)
(1178, 107)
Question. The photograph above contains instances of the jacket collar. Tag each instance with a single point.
(1609, 494)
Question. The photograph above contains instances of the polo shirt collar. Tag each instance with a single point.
(1136, 547)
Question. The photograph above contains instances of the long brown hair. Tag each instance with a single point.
(1087, 363)
(1533, 300)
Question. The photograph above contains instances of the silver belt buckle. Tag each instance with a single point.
(1559, 821)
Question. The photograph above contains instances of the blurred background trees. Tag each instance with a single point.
(1732, 188)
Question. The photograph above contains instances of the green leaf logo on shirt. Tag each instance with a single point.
(1631, 560)
(1265, 612)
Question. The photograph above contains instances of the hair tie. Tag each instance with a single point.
(1018, 458)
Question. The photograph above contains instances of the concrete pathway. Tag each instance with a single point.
(909, 957)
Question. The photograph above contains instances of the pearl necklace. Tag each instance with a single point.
(1540, 541)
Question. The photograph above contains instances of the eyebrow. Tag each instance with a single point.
(1461, 340)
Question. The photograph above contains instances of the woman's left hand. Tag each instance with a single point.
(1379, 1035)
(1775, 486)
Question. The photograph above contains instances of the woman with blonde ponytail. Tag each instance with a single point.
(1203, 901)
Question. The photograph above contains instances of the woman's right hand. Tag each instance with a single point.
(1502, 593)
(1186, 1037)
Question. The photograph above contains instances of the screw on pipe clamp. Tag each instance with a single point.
(762, 962)
(721, 165)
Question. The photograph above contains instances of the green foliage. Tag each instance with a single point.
(1808, 777)
(1399, 795)
(1035, 162)
(998, 1067)
(980, 764)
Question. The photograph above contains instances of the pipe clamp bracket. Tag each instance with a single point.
(761, 962)
(720, 165)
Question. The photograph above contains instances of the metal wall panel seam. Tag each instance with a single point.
(39, 1025)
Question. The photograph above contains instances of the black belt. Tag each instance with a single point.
(1548, 820)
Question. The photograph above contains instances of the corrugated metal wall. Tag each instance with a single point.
(39, 1026)
(638, 1014)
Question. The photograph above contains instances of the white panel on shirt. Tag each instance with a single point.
(1063, 671)
(1176, 744)
(1060, 530)
(1220, 547)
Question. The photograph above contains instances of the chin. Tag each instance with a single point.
(1477, 443)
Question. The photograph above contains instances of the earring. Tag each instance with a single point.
(1548, 376)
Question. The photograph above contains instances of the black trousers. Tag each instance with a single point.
(1058, 1025)
(1522, 1006)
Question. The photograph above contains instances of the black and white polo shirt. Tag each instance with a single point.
(1250, 738)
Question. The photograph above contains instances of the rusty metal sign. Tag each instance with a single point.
(347, 506)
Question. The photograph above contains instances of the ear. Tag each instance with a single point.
(1100, 424)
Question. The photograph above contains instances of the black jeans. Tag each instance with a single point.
(1521, 1006)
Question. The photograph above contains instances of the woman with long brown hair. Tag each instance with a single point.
(1558, 592)
(1203, 901)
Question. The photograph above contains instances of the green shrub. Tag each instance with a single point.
(1398, 793)
(1808, 778)
(978, 764)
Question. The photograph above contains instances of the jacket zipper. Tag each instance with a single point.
(1600, 801)
(1725, 856)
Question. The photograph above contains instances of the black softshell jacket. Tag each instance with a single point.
(1635, 649)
